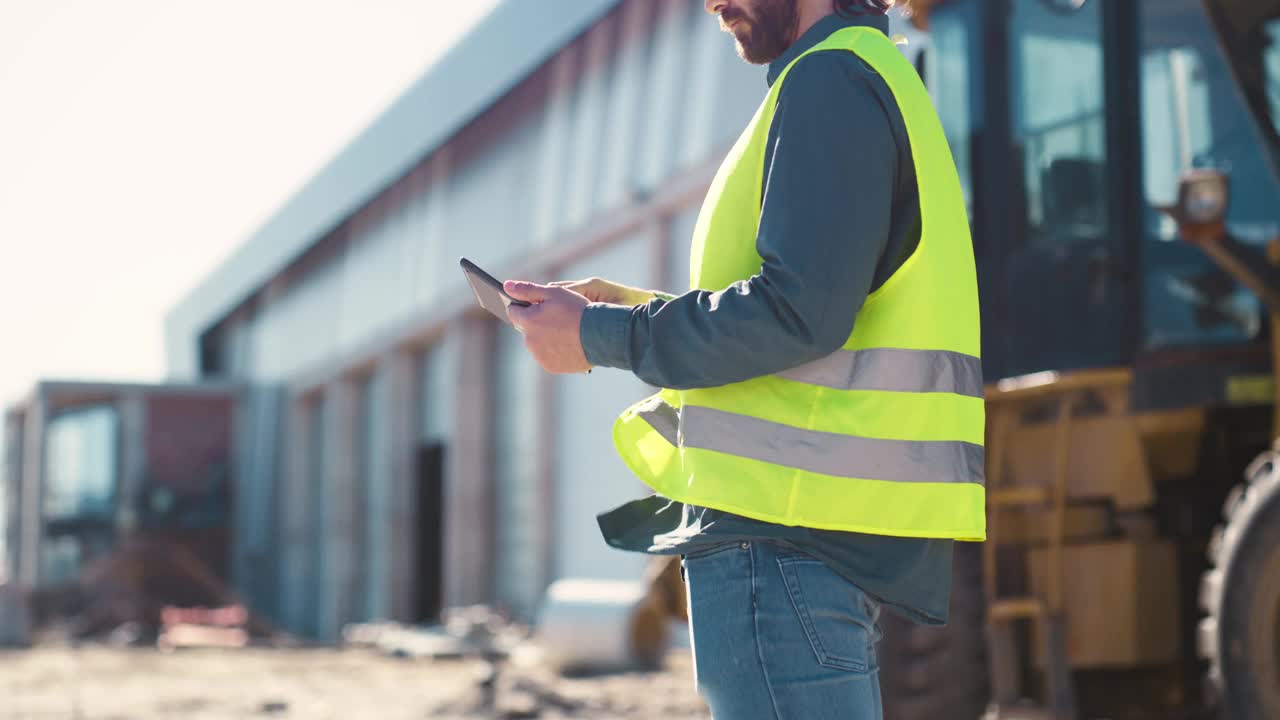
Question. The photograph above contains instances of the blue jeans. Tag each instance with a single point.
(778, 635)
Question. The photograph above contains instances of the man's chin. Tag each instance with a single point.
(746, 52)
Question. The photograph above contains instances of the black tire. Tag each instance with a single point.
(927, 673)
(1240, 636)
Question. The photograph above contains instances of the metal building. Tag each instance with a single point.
(403, 452)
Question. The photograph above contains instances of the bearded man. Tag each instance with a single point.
(817, 445)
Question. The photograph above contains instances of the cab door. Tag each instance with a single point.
(1027, 92)
(1066, 266)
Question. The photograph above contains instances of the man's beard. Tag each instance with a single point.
(767, 34)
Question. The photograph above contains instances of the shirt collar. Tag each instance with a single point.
(820, 31)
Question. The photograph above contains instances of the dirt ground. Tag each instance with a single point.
(108, 683)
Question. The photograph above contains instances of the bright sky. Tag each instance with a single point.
(142, 140)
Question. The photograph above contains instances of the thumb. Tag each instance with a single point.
(527, 291)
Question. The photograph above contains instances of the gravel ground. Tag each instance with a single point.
(102, 682)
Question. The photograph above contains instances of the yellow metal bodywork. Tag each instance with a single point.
(1111, 455)
(1070, 467)
(1119, 603)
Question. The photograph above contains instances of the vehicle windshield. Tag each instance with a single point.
(1208, 100)
(1209, 76)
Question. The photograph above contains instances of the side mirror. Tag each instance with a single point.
(1203, 199)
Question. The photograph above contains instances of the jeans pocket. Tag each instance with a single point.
(713, 549)
(838, 618)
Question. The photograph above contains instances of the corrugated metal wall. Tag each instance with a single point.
(375, 480)
(255, 560)
(650, 93)
(652, 90)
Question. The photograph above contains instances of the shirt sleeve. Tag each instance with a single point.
(831, 166)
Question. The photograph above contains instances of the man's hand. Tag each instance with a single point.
(551, 325)
(599, 290)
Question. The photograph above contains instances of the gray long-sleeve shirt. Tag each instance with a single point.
(840, 213)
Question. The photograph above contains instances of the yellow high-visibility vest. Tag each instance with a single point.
(883, 436)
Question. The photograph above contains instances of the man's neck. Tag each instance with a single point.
(810, 12)
(815, 31)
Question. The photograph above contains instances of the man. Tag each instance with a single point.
(817, 445)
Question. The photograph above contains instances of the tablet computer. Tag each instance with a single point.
(488, 290)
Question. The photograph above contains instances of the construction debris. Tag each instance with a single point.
(271, 707)
(589, 626)
(538, 691)
(475, 631)
(405, 641)
(222, 627)
(491, 633)
(202, 636)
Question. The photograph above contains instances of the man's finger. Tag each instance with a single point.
(518, 315)
(527, 291)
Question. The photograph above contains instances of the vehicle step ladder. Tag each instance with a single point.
(1048, 610)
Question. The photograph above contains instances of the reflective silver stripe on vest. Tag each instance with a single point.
(662, 417)
(894, 369)
(820, 452)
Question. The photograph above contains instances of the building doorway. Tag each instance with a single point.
(429, 477)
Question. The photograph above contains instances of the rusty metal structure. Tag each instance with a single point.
(92, 468)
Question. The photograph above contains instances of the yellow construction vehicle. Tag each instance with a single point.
(1129, 353)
